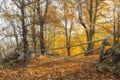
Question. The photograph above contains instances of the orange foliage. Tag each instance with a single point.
(61, 70)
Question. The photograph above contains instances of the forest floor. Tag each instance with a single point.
(70, 69)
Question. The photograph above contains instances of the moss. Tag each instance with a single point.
(1, 67)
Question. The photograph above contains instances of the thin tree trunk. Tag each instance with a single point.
(114, 26)
(41, 23)
(15, 33)
(118, 24)
(34, 33)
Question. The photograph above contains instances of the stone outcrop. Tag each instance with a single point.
(16, 59)
(111, 61)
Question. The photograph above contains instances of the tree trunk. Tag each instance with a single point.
(34, 32)
(68, 51)
(42, 44)
(24, 28)
(89, 39)
(42, 23)
(67, 41)
(15, 33)
(25, 31)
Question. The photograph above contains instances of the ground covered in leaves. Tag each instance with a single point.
(77, 68)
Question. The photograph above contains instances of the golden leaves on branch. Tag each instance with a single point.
(7, 16)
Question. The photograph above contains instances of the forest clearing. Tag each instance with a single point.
(59, 39)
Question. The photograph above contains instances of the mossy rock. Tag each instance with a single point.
(111, 63)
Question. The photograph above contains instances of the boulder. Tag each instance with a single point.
(111, 61)
(17, 59)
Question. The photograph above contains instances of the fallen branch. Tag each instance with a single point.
(82, 60)
(65, 58)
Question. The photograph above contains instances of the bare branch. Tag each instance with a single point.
(34, 2)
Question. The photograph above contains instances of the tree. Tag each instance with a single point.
(68, 18)
(88, 10)
(21, 5)
(41, 21)
(116, 21)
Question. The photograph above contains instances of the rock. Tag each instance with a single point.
(111, 63)
(15, 59)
